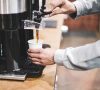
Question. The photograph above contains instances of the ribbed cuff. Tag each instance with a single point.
(59, 56)
(79, 8)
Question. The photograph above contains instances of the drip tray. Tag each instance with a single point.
(14, 75)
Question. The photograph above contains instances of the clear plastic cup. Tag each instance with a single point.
(29, 24)
(34, 44)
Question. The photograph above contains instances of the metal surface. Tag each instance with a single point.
(12, 6)
(14, 75)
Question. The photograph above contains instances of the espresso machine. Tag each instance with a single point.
(14, 62)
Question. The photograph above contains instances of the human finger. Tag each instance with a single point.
(37, 63)
(57, 11)
(34, 50)
(34, 55)
(35, 59)
(54, 4)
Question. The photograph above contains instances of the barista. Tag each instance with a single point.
(82, 57)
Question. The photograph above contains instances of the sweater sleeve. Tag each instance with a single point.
(85, 7)
(83, 57)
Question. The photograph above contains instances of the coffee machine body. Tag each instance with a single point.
(13, 38)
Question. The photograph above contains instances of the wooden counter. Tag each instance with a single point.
(46, 82)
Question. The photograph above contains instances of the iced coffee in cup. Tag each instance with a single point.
(33, 43)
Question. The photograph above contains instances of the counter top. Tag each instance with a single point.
(46, 81)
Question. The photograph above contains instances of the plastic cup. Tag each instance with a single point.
(34, 44)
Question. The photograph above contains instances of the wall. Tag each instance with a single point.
(87, 23)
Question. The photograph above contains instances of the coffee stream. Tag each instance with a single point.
(37, 35)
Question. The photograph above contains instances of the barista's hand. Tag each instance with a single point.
(62, 7)
(42, 56)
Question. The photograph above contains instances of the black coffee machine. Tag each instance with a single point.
(14, 62)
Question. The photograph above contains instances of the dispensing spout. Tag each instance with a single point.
(37, 16)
